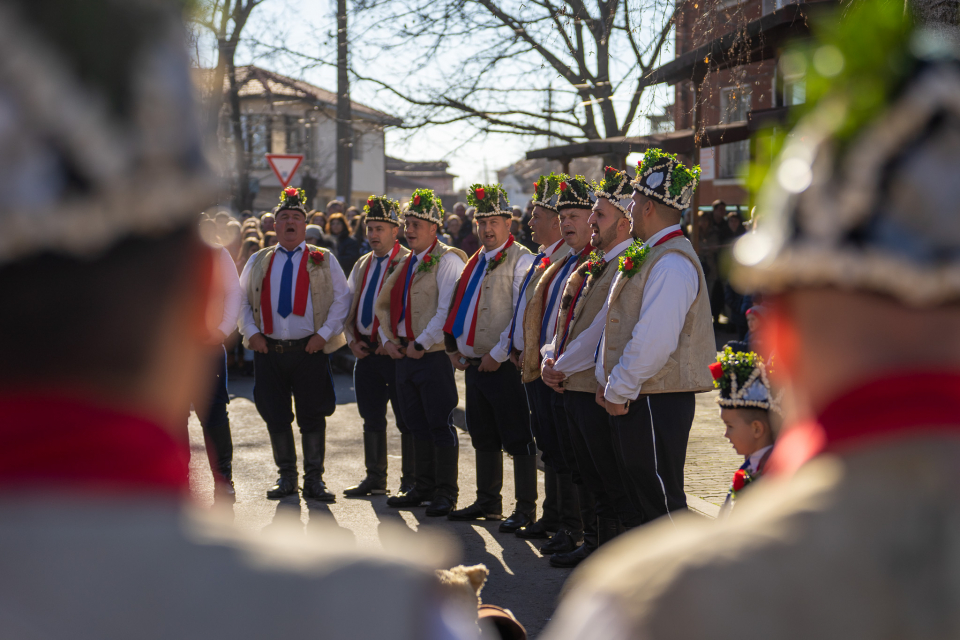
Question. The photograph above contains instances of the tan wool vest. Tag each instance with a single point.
(590, 305)
(424, 295)
(321, 291)
(496, 301)
(533, 314)
(688, 367)
(358, 269)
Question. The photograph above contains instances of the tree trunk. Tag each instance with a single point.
(344, 116)
(243, 172)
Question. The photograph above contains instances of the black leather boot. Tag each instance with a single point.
(375, 459)
(425, 485)
(285, 456)
(314, 449)
(408, 463)
(607, 529)
(525, 489)
(489, 504)
(447, 489)
(588, 515)
(219, 447)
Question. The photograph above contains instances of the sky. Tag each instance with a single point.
(309, 26)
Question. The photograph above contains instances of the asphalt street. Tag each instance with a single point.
(520, 578)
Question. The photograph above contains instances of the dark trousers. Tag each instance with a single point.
(497, 414)
(212, 413)
(564, 439)
(651, 443)
(544, 423)
(306, 377)
(375, 383)
(592, 439)
(428, 395)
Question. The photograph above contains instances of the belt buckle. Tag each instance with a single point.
(278, 348)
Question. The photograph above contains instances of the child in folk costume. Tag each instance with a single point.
(748, 409)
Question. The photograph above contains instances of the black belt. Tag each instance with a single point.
(281, 346)
(474, 361)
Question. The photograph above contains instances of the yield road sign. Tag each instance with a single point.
(284, 166)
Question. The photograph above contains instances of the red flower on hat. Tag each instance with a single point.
(290, 191)
(416, 200)
(480, 193)
(536, 185)
(563, 186)
(609, 169)
(716, 370)
(370, 201)
(740, 479)
(316, 257)
(628, 263)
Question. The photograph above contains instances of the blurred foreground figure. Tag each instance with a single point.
(106, 289)
(856, 530)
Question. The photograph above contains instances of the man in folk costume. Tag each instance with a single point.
(568, 366)
(858, 258)
(482, 310)
(374, 375)
(545, 231)
(296, 299)
(411, 310)
(658, 342)
(572, 198)
(103, 176)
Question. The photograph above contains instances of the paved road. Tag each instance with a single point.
(520, 579)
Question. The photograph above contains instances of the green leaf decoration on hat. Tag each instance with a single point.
(573, 190)
(741, 363)
(680, 176)
(486, 197)
(546, 186)
(422, 202)
(613, 180)
(380, 206)
(852, 68)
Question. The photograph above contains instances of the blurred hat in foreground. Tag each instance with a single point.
(98, 135)
(864, 194)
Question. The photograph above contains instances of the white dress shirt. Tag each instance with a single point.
(498, 352)
(754, 459)
(579, 353)
(670, 290)
(231, 293)
(295, 327)
(447, 273)
(521, 304)
(555, 293)
(356, 275)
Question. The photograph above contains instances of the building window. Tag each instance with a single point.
(256, 138)
(294, 134)
(734, 106)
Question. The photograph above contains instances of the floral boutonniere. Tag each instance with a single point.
(596, 265)
(426, 264)
(740, 479)
(544, 263)
(392, 266)
(497, 260)
(632, 259)
(316, 257)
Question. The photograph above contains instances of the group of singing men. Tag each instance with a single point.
(590, 351)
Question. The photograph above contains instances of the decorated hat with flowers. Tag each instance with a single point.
(662, 177)
(424, 204)
(863, 192)
(292, 198)
(574, 193)
(490, 200)
(615, 187)
(545, 191)
(382, 209)
(742, 380)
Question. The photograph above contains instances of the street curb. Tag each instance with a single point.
(702, 507)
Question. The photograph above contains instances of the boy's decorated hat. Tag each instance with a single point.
(382, 209)
(742, 380)
(662, 177)
(863, 195)
(545, 191)
(424, 204)
(574, 193)
(292, 198)
(615, 187)
(490, 200)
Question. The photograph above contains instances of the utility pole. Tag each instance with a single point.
(344, 115)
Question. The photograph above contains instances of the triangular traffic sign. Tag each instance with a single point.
(284, 166)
